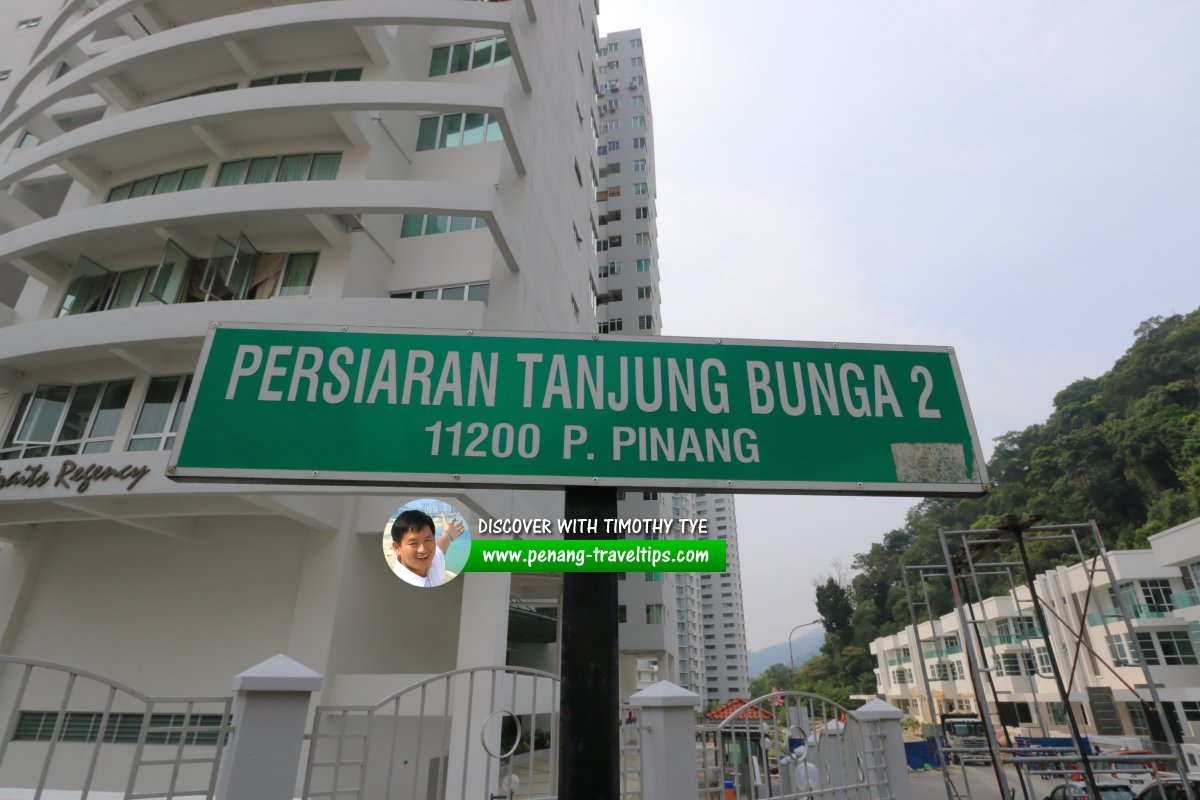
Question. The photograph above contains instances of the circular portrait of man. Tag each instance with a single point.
(426, 542)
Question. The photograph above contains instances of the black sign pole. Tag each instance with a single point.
(589, 715)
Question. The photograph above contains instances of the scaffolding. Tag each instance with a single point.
(970, 557)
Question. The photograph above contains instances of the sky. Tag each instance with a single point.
(1019, 180)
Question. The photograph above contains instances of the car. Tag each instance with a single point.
(1109, 790)
(1168, 788)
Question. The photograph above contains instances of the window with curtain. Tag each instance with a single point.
(298, 274)
(457, 130)
(491, 51)
(429, 224)
(158, 420)
(175, 181)
(279, 169)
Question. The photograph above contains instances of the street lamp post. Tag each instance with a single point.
(791, 659)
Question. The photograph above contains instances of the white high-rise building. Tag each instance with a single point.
(727, 669)
(627, 303)
(165, 164)
(666, 632)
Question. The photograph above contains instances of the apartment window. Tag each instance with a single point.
(612, 147)
(642, 239)
(158, 420)
(638, 101)
(317, 76)
(654, 613)
(614, 241)
(620, 613)
(653, 577)
(457, 130)
(614, 191)
(612, 47)
(635, 44)
(643, 265)
(280, 169)
(1176, 648)
(644, 293)
(1145, 642)
(615, 325)
(613, 64)
(638, 188)
(638, 80)
(639, 121)
(639, 143)
(175, 181)
(297, 276)
(66, 420)
(491, 51)
(1137, 716)
(1121, 654)
(612, 296)
(614, 124)
(1157, 594)
(939, 672)
(636, 61)
(26, 24)
(646, 323)
(1030, 664)
(1043, 660)
(430, 224)
(639, 165)
(471, 291)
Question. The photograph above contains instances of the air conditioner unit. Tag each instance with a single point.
(616, 87)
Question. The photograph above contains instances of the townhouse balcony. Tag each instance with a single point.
(1011, 638)
(1138, 611)
(895, 660)
(942, 652)
(1186, 599)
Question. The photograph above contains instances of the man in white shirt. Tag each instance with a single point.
(420, 557)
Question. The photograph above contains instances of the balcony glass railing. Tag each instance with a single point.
(1137, 611)
(942, 652)
(1186, 599)
(1011, 638)
(894, 660)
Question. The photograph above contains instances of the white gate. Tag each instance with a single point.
(499, 723)
(74, 733)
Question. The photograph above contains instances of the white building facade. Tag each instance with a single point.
(165, 165)
(1090, 642)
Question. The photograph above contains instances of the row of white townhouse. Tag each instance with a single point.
(1090, 641)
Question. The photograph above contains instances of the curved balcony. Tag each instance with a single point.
(228, 122)
(149, 337)
(254, 43)
(46, 248)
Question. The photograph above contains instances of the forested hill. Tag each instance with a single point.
(1122, 449)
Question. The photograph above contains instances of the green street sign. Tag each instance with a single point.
(296, 404)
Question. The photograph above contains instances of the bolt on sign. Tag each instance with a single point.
(303, 404)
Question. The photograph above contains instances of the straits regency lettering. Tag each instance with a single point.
(585, 382)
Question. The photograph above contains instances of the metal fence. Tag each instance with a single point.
(791, 745)
(500, 722)
(73, 731)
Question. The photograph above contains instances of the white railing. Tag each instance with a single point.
(498, 722)
(69, 731)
